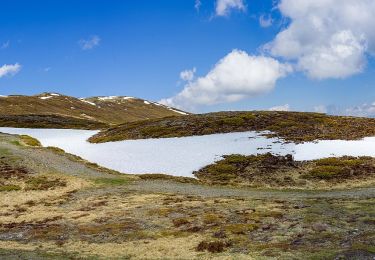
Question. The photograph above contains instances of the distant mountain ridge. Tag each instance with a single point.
(61, 111)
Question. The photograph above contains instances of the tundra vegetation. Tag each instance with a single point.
(291, 126)
(58, 206)
(280, 172)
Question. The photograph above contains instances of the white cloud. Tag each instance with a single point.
(285, 107)
(235, 77)
(90, 43)
(9, 70)
(197, 5)
(188, 75)
(364, 110)
(223, 7)
(4, 45)
(320, 109)
(326, 38)
(265, 21)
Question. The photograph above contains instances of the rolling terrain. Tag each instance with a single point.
(57, 206)
(59, 111)
(291, 126)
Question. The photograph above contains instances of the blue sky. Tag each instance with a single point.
(140, 47)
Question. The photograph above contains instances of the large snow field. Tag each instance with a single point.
(182, 156)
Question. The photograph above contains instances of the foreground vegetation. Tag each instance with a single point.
(58, 206)
(291, 126)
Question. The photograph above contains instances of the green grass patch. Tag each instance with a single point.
(56, 150)
(44, 183)
(30, 141)
(344, 161)
(16, 142)
(241, 228)
(111, 181)
(9, 188)
(327, 172)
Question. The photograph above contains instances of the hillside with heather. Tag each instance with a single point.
(49, 110)
(291, 126)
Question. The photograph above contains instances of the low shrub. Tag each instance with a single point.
(212, 246)
(30, 141)
(43, 183)
(327, 172)
(240, 228)
(9, 188)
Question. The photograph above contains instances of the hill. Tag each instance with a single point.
(56, 110)
(291, 126)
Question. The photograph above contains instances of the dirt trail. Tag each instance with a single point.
(217, 191)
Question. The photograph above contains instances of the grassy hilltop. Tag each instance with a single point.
(291, 126)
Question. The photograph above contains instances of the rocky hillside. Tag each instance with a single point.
(95, 112)
(291, 126)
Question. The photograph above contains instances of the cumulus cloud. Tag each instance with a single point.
(326, 38)
(363, 110)
(285, 107)
(265, 21)
(9, 70)
(90, 43)
(236, 76)
(188, 75)
(223, 7)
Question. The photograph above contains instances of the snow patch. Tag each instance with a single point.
(169, 108)
(46, 97)
(107, 98)
(88, 102)
(182, 156)
(180, 112)
(146, 102)
(175, 156)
